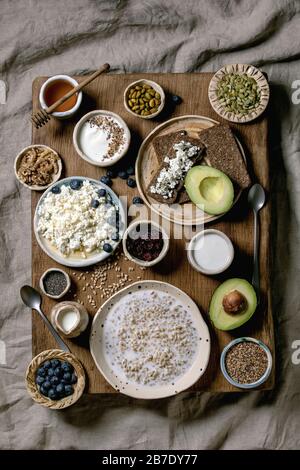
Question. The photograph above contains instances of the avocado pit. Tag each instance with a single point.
(234, 302)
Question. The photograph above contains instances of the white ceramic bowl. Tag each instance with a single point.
(121, 122)
(166, 240)
(155, 87)
(191, 248)
(42, 287)
(78, 262)
(254, 384)
(36, 187)
(60, 114)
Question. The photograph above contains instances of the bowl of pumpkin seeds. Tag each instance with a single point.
(144, 99)
(239, 92)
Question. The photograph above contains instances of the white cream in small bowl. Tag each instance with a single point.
(101, 138)
(210, 252)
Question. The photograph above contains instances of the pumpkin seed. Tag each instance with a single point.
(238, 93)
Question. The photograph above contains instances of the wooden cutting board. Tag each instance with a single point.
(107, 93)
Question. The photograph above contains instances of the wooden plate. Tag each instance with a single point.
(147, 164)
(118, 381)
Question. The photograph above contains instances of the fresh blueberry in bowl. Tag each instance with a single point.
(137, 200)
(39, 380)
(95, 203)
(56, 190)
(122, 175)
(43, 391)
(54, 363)
(75, 184)
(107, 247)
(106, 180)
(52, 394)
(46, 364)
(60, 389)
(47, 384)
(67, 377)
(101, 192)
(41, 372)
(50, 372)
(67, 367)
(58, 372)
(68, 390)
(54, 380)
(131, 183)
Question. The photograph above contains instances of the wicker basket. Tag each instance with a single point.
(33, 390)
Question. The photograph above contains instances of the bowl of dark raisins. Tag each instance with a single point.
(55, 379)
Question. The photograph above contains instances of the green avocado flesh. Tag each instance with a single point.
(210, 189)
(223, 320)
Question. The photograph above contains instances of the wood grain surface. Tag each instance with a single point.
(106, 92)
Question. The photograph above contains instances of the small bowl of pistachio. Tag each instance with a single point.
(144, 99)
(239, 92)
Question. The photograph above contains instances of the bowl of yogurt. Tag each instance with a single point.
(101, 138)
(210, 252)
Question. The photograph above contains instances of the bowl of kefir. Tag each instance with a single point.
(101, 138)
(210, 252)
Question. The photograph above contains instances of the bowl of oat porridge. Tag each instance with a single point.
(149, 340)
(79, 221)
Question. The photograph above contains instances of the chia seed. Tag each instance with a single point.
(246, 362)
(55, 282)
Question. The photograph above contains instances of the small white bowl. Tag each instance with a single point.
(253, 384)
(191, 249)
(63, 292)
(163, 252)
(86, 117)
(155, 87)
(60, 114)
(37, 187)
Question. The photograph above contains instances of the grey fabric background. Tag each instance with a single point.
(75, 36)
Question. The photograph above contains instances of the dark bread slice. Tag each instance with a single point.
(223, 153)
(163, 143)
(171, 153)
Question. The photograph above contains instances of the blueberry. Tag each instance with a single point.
(106, 180)
(47, 364)
(137, 200)
(122, 175)
(41, 371)
(54, 363)
(46, 384)
(115, 237)
(67, 377)
(111, 173)
(101, 192)
(75, 184)
(176, 99)
(67, 367)
(107, 247)
(131, 183)
(60, 389)
(54, 380)
(43, 391)
(52, 394)
(68, 389)
(50, 372)
(130, 171)
(55, 190)
(58, 371)
(74, 378)
(95, 203)
(39, 380)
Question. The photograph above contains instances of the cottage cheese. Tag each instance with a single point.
(149, 338)
(71, 225)
(175, 170)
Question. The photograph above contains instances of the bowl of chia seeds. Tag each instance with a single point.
(246, 363)
(55, 283)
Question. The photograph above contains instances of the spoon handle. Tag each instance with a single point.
(59, 341)
(255, 277)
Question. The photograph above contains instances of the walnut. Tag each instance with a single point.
(234, 302)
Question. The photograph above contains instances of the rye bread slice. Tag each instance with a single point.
(171, 153)
(223, 153)
(163, 143)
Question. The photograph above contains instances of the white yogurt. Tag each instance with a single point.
(210, 252)
(68, 319)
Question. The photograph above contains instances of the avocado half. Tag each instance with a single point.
(210, 189)
(238, 297)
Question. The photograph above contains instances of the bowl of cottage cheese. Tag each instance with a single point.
(79, 221)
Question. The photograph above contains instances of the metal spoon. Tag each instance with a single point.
(31, 297)
(256, 200)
